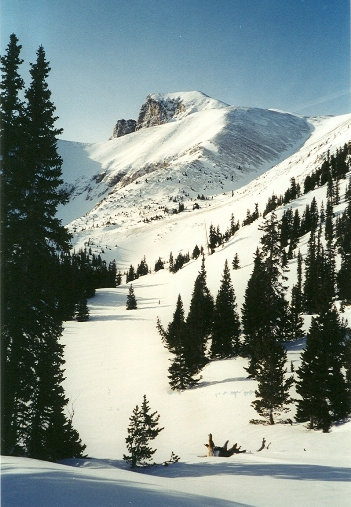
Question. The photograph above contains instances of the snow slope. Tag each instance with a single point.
(116, 228)
(117, 356)
(206, 149)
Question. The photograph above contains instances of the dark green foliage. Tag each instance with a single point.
(272, 204)
(175, 337)
(285, 227)
(328, 228)
(131, 275)
(335, 167)
(293, 191)
(131, 300)
(322, 385)
(82, 311)
(251, 217)
(265, 310)
(199, 322)
(297, 293)
(319, 286)
(142, 269)
(215, 238)
(273, 389)
(171, 262)
(226, 324)
(196, 252)
(236, 262)
(343, 242)
(159, 264)
(32, 357)
(296, 305)
(179, 262)
(143, 427)
(234, 226)
(118, 278)
(181, 375)
(175, 334)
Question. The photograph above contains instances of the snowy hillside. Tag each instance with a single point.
(117, 356)
(204, 149)
(117, 229)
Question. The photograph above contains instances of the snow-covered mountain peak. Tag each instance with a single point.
(161, 108)
(192, 102)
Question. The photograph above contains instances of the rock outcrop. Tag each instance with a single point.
(123, 127)
(156, 112)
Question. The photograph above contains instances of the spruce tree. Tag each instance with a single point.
(143, 427)
(199, 322)
(272, 394)
(236, 262)
(131, 303)
(175, 335)
(33, 358)
(322, 385)
(296, 305)
(265, 310)
(82, 311)
(181, 375)
(226, 324)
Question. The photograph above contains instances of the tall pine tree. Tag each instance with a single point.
(226, 324)
(34, 401)
(322, 385)
(199, 322)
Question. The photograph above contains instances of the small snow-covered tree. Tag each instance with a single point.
(131, 300)
(142, 428)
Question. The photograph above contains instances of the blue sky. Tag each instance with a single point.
(108, 55)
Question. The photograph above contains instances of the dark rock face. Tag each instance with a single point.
(123, 127)
(156, 112)
(153, 112)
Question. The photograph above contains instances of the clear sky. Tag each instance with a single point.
(108, 55)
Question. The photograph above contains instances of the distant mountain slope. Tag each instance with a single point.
(198, 146)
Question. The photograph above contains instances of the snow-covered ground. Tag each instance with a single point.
(117, 356)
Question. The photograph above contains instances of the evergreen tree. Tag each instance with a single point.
(11, 129)
(226, 324)
(196, 252)
(329, 233)
(118, 278)
(159, 264)
(34, 401)
(142, 269)
(321, 385)
(143, 427)
(131, 300)
(236, 262)
(273, 389)
(343, 241)
(82, 311)
(199, 322)
(181, 375)
(265, 310)
(311, 275)
(131, 275)
(175, 335)
(296, 305)
(171, 262)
